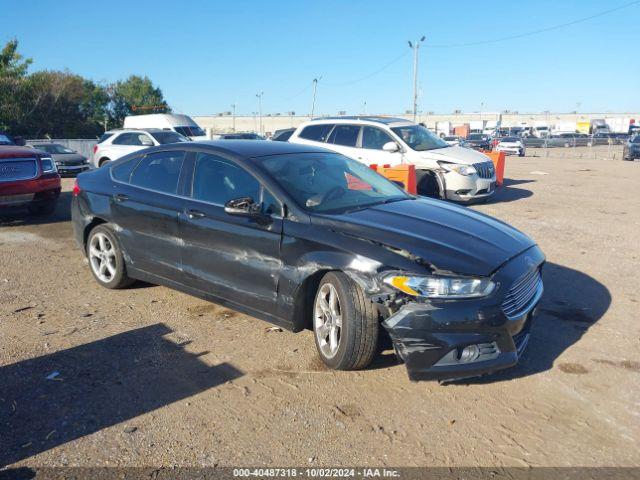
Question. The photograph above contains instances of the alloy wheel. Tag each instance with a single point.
(327, 318)
(102, 257)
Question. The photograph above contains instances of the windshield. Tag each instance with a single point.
(475, 136)
(419, 138)
(54, 148)
(330, 182)
(190, 131)
(4, 140)
(168, 137)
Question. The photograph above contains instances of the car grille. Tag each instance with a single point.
(15, 170)
(522, 293)
(485, 169)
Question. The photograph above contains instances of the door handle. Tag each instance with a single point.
(195, 214)
(120, 197)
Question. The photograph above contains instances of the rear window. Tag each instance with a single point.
(190, 131)
(169, 137)
(105, 136)
(317, 133)
(122, 171)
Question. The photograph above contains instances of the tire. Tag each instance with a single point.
(103, 162)
(427, 185)
(114, 274)
(43, 208)
(357, 334)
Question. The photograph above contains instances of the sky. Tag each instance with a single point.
(208, 55)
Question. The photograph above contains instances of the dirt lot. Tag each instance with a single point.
(149, 376)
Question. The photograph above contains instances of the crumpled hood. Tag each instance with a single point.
(447, 237)
(456, 154)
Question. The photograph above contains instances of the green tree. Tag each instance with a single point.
(12, 64)
(134, 96)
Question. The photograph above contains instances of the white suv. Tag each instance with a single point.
(454, 173)
(118, 143)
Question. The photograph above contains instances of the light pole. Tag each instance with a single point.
(315, 90)
(233, 109)
(415, 47)
(259, 96)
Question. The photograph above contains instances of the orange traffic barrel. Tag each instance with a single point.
(498, 161)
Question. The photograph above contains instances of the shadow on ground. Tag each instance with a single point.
(508, 192)
(99, 384)
(20, 216)
(572, 303)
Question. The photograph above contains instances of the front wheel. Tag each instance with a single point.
(106, 259)
(345, 323)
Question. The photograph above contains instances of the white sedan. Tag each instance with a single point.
(511, 146)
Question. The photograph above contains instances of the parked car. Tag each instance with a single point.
(511, 146)
(453, 141)
(282, 135)
(118, 143)
(454, 173)
(68, 162)
(237, 136)
(631, 149)
(182, 124)
(304, 237)
(568, 139)
(478, 141)
(28, 178)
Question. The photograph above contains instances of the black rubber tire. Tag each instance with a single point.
(43, 208)
(120, 279)
(360, 326)
(427, 185)
(103, 162)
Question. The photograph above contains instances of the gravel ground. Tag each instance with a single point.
(153, 377)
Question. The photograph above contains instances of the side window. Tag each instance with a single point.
(317, 133)
(122, 171)
(346, 135)
(374, 138)
(123, 139)
(159, 171)
(217, 180)
(270, 205)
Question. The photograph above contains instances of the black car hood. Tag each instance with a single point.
(445, 237)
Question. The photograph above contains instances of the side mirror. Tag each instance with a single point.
(390, 147)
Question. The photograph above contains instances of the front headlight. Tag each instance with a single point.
(465, 170)
(48, 165)
(442, 287)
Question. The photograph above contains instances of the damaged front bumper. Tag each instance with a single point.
(454, 339)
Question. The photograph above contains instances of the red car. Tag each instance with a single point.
(28, 177)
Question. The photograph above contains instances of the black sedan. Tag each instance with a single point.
(306, 238)
(68, 161)
(478, 141)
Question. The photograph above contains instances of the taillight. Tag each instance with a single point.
(95, 147)
(76, 189)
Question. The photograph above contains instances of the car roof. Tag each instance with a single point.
(149, 130)
(255, 148)
(364, 118)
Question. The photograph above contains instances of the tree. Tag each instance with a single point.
(134, 96)
(12, 64)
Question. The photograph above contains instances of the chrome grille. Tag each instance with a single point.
(485, 169)
(521, 293)
(18, 169)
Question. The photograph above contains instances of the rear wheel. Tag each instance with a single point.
(103, 162)
(106, 259)
(345, 323)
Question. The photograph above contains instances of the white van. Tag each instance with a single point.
(443, 171)
(182, 124)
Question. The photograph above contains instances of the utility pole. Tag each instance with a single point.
(259, 95)
(415, 47)
(233, 109)
(315, 90)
